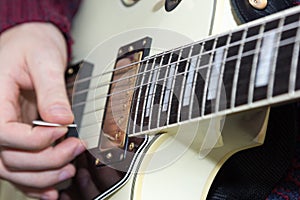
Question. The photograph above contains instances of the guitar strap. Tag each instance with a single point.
(252, 174)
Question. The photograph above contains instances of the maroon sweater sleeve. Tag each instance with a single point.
(58, 12)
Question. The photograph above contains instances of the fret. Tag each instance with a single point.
(167, 95)
(143, 96)
(152, 88)
(228, 75)
(202, 75)
(256, 71)
(295, 63)
(156, 93)
(242, 35)
(294, 83)
(297, 85)
(274, 39)
(177, 88)
(147, 85)
(283, 70)
(184, 94)
(223, 42)
(244, 74)
(137, 99)
(171, 116)
(189, 80)
(284, 58)
(209, 47)
(196, 100)
(229, 71)
(243, 81)
(162, 118)
(215, 74)
(266, 63)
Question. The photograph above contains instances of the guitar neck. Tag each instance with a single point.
(256, 65)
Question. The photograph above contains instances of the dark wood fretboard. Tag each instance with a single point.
(255, 65)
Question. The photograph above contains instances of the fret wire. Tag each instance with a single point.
(298, 33)
(153, 95)
(222, 74)
(172, 87)
(287, 27)
(122, 79)
(207, 78)
(194, 82)
(139, 62)
(237, 69)
(152, 87)
(287, 41)
(189, 81)
(169, 87)
(255, 62)
(294, 65)
(163, 91)
(133, 76)
(169, 77)
(282, 43)
(146, 96)
(180, 104)
(295, 60)
(275, 53)
(139, 99)
(205, 88)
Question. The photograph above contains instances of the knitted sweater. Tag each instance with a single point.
(61, 12)
(58, 12)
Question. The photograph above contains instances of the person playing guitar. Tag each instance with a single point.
(35, 48)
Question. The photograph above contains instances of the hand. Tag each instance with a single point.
(33, 59)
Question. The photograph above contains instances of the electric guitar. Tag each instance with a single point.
(161, 105)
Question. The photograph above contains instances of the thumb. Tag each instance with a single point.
(53, 103)
(47, 66)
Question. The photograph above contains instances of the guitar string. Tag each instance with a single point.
(100, 109)
(282, 43)
(248, 53)
(249, 39)
(286, 43)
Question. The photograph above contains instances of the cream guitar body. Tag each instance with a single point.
(177, 160)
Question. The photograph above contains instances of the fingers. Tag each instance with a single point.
(49, 158)
(53, 102)
(47, 193)
(37, 179)
(86, 188)
(22, 136)
(86, 185)
(28, 157)
(39, 63)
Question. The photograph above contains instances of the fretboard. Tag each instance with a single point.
(255, 65)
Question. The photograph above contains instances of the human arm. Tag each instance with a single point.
(33, 56)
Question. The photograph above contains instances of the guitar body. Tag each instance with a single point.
(98, 21)
(180, 160)
(188, 175)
